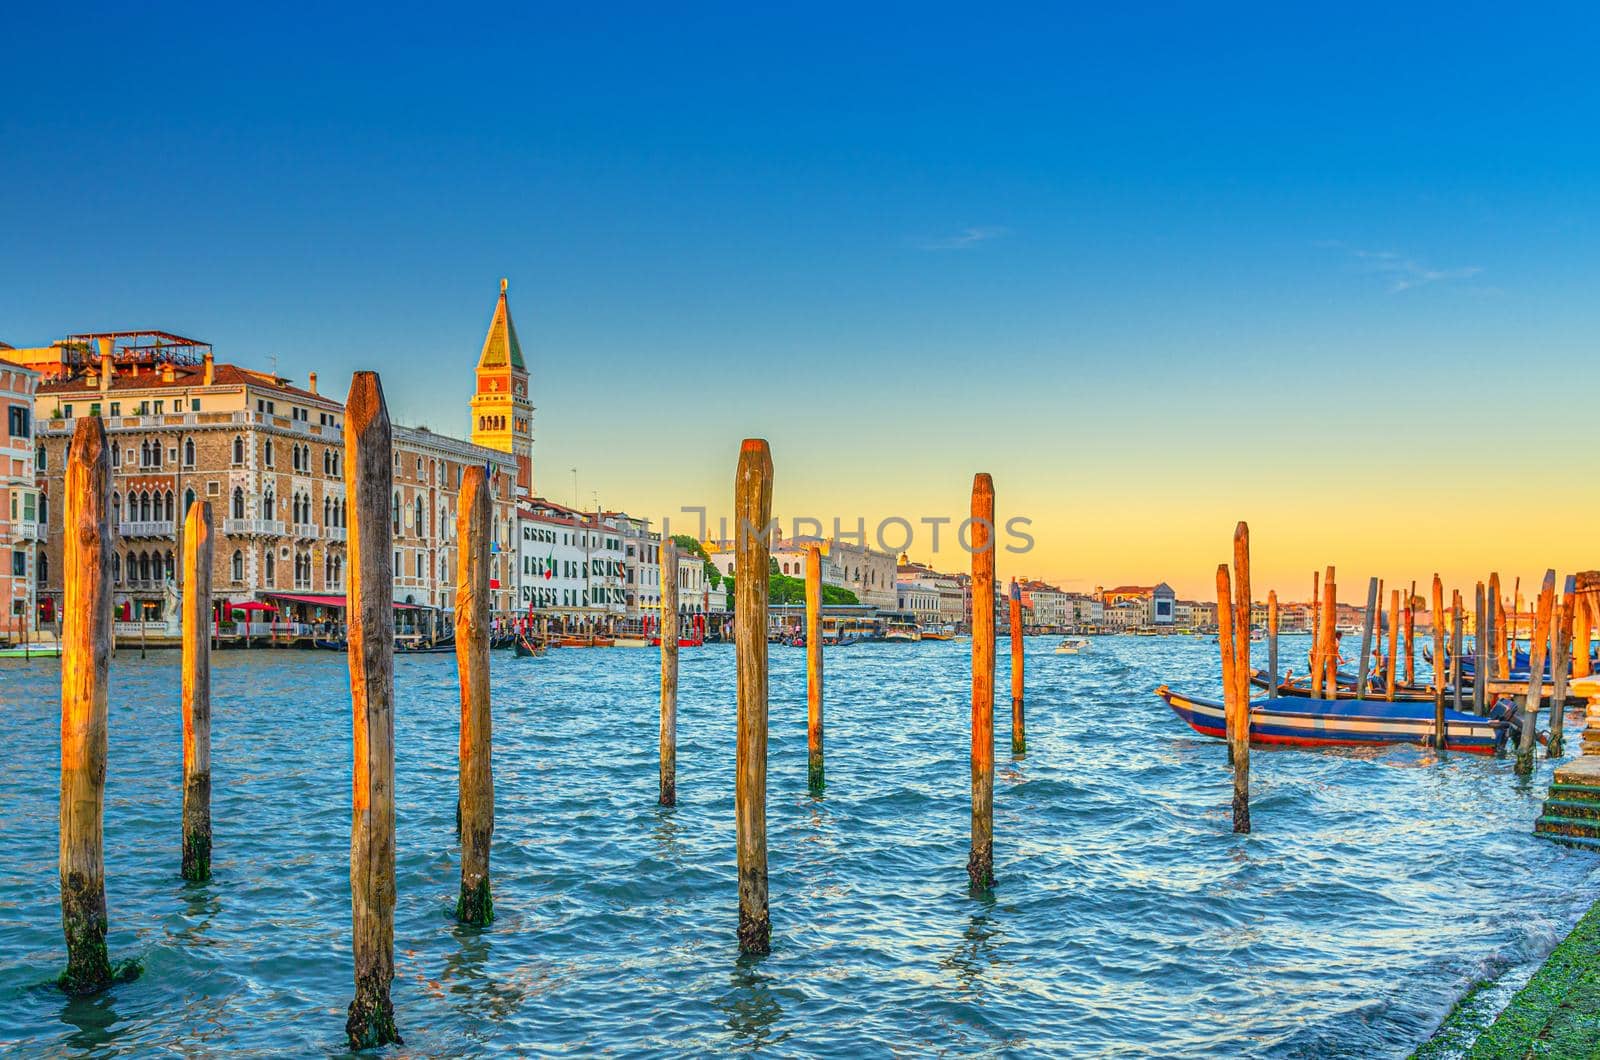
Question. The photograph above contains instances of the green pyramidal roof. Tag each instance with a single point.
(500, 346)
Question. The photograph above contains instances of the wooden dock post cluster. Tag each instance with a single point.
(1325, 638)
(669, 674)
(814, 771)
(476, 777)
(980, 859)
(752, 511)
(197, 549)
(1233, 639)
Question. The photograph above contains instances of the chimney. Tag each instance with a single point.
(313, 384)
(210, 369)
(106, 369)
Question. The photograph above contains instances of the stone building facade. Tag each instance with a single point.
(20, 514)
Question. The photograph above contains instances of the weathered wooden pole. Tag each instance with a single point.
(1480, 655)
(1536, 657)
(197, 549)
(476, 776)
(1439, 664)
(1330, 633)
(1239, 724)
(1019, 736)
(1394, 630)
(1501, 667)
(1366, 637)
(1583, 619)
(1455, 649)
(368, 480)
(815, 777)
(1560, 663)
(85, 647)
(1230, 659)
(752, 510)
(980, 862)
(1314, 659)
(1272, 643)
(1516, 618)
(1411, 636)
(669, 673)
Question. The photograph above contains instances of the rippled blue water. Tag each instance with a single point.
(1127, 917)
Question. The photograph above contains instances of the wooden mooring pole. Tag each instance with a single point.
(1272, 643)
(197, 549)
(1330, 632)
(752, 510)
(1019, 738)
(1561, 662)
(1583, 620)
(368, 480)
(1480, 654)
(1314, 660)
(1455, 649)
(980, 860)
(669, 674)
(1367, 629)
(85, 649)
(1536, 658)
(1238, 721)
(1394, 633)
(815, 776)
(1411, 635)
(476, 774)
(1439, 663)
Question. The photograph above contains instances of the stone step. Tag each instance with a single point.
(1568, 826)
(1582, 842)
(1585, 792)
(1587, 809)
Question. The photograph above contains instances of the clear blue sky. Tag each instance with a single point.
(978, 237)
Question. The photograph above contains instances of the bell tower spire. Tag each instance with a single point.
(502, 414)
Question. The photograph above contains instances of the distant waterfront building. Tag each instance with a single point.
(641, 558)
(20, 498)
(952, 598)
(1050, 607)
(1087, 612)
(1158, 601)
(867, 572)
(920, 598)
(502, 410)
(571, 564)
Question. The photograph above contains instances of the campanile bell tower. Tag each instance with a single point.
(502, 414)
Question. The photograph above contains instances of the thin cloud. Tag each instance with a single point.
(1403, 273)
(966, 239)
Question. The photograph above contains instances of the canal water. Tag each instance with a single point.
(1378, 886)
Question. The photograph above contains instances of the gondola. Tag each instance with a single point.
(1346, 722)
(525, 648)
(1300, 688)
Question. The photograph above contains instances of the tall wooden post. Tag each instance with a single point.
(85, 648)
(1516, 619)
(752, 510)
(368, 481)
(1455, 649)
(1272, 643)
(1560, 663)
(1330, 633)
(197, 549)
(1367, 628)
(1439, 664)
(476, 776)
(1499, 642)
(1583, 619)
(1019, 737)
(669, 674)
(1239, 724)
(1536, 657)
(1394, 633)
(1314, 661)
(1411, 636)
(1480, 655)
(980, 862)
(815, 778)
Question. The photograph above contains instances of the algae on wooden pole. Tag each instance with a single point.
(1019, 735)
(669, 674)
(1536, 659)
(815, 778)
(980, 860)
(752, 511)
(1438, 663)
(369, 483)
(85, 648)
(1561, 662)
(475, 792)
(197, 549)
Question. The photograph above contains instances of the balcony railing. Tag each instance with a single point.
(306, 531)
(253, 527)
(24, 531)
(335, 533)
(151, 528)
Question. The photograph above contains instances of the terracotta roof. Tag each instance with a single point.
(500, 346)
(182, 376)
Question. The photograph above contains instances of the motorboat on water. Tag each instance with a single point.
(1072, 646)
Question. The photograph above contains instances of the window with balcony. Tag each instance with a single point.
(238, 503)
(238, 450)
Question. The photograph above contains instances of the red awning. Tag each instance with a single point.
(251, 605)
(330, 601)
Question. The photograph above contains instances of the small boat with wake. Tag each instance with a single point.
(1347, 722)
(1072, 646)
